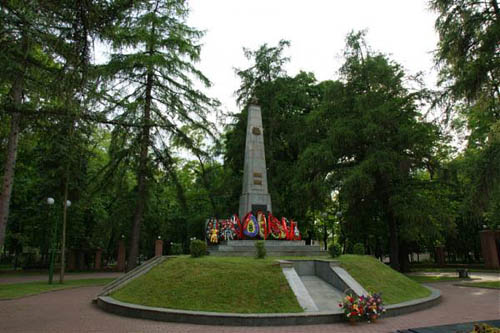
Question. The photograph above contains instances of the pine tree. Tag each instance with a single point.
(153, 94)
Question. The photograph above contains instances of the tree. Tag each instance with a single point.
(46, 50)
(468, 56)
(153, 92)
(268, 65)
(372, 143)
(469, 52)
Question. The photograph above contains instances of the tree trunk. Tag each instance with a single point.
(394, 241)
(8, 176)
(141, 178)
(325, 236)
(404, 263)
(16, 95)
(207, 186)
(63, 241)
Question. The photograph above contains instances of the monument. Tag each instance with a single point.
(235, 236)
(255, 196)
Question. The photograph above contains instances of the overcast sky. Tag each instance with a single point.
(316, 29)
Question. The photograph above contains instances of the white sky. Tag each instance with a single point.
(404, 29)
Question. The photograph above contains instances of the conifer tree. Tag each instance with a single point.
(151, 79)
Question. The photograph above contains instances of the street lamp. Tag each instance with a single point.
(324, 215)
(63, 243)
(50, 202)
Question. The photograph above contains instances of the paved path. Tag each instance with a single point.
(71, 311)
(14, 278)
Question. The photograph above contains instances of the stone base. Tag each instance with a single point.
(274, 248)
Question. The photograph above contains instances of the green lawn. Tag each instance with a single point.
(484, 284)
(451, 269)
(16, 290)
(430, 279)
(219, 284)
(375, 276)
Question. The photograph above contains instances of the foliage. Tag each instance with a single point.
(219, 284)
(468, 56)
(334, 249)
(268, 66)
(197, 248)
(149, 92)
(359, 249)
(485, 328)
(176, 248)
(260, 248)
(357, 145)
(372, 145)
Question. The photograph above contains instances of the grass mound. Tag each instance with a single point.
(375, 276)
(218, 284)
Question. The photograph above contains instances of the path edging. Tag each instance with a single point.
(112, 305)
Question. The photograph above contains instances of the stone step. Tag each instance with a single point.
(246, 247)
(226, 248)
(269, 253)
(269, 242)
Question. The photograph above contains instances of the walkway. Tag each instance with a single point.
(71, 311)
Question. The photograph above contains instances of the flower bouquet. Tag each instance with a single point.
(354, 307)
(373, 306)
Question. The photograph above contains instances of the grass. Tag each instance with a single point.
(484, 284)
(453, 270)
(218, 284)
(430, 279)
(375, 276)
(17, 290)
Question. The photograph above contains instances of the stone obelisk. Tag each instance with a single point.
(254, 196)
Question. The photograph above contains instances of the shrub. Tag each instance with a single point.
(197, 248)
(484, 328)
(260, 246)
(176, 248)
(334, 249)
(358, 248)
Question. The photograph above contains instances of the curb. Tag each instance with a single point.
(111, 305)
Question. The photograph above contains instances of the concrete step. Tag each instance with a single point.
(226, 248)
(246, 247)
(296, 253)
(268, 242)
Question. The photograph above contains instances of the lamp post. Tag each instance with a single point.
(324, 215)
(339, 216)
(67, 203)
(50, 202)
